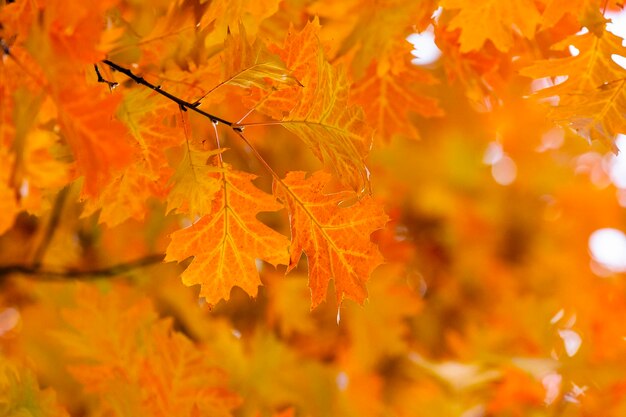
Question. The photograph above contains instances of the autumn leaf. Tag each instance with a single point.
(492, 20)
(389, 111)
(194, 183)
(593, 95)
(150, 369)
(319, 113)
(228, 240)
(100, 142)
(334, 239)
(370, 27)
(20, 394)
(252, 65)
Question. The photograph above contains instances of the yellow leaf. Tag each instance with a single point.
(252, 65)
(194, 184)
(335, 240)
(388, 98)
(592, 98)
(227, 242)
(493, 20)
(319, 113)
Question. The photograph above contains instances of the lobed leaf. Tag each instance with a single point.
(335, 240)
(228, 240)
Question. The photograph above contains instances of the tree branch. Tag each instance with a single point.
(41, 273)
(182, 103)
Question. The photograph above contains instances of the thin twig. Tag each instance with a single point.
(43, 274)
(185, 105)
(101, 79)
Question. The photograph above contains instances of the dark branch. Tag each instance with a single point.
(101, 79)
(184, 105)
(41, 273)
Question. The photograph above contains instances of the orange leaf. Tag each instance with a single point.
(388, 98)
(227, 241)
(492, 20)
(592, 98)
(319, 113)
(100, 143)
(335, 240)
(246, 65)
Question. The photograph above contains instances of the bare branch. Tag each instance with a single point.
(43, 274)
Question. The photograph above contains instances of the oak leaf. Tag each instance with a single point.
(336, 240)
(492, 20)
(194, 183)
(252, 65)
(319, 112)
(228, 240)
(592, 98)
(388, 98)
(99, 142)
(135, 364)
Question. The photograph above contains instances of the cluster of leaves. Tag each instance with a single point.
(135, 134)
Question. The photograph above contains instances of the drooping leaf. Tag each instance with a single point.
(492, 20)
(100, 143)
(125, 196)
(388, 98)
(228, 240)
(369, 29)
(319, 113)
(252, 65)
(592, 98)
(146, 116)
(194, 183)
(334, 239)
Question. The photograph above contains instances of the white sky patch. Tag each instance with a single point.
(493, 153)
(558, 316)
(24, 188)
(425, 50)
(573, 50)
(552, 139)
(552, 384)
(504, 171)
(342, 381)
(571, 341)
(608, 248)
(503, 168)
(617, 27)
(9, 317)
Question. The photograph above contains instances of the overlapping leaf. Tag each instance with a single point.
(227, 242)
(252, 65)
(319, 113)
(20, 394)
(593, 97)
(370, 27)
(492, 20)
(141, 366)
(126, 195)
(335, 240)
(99, 142)
(194, 183)
(388, 98)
